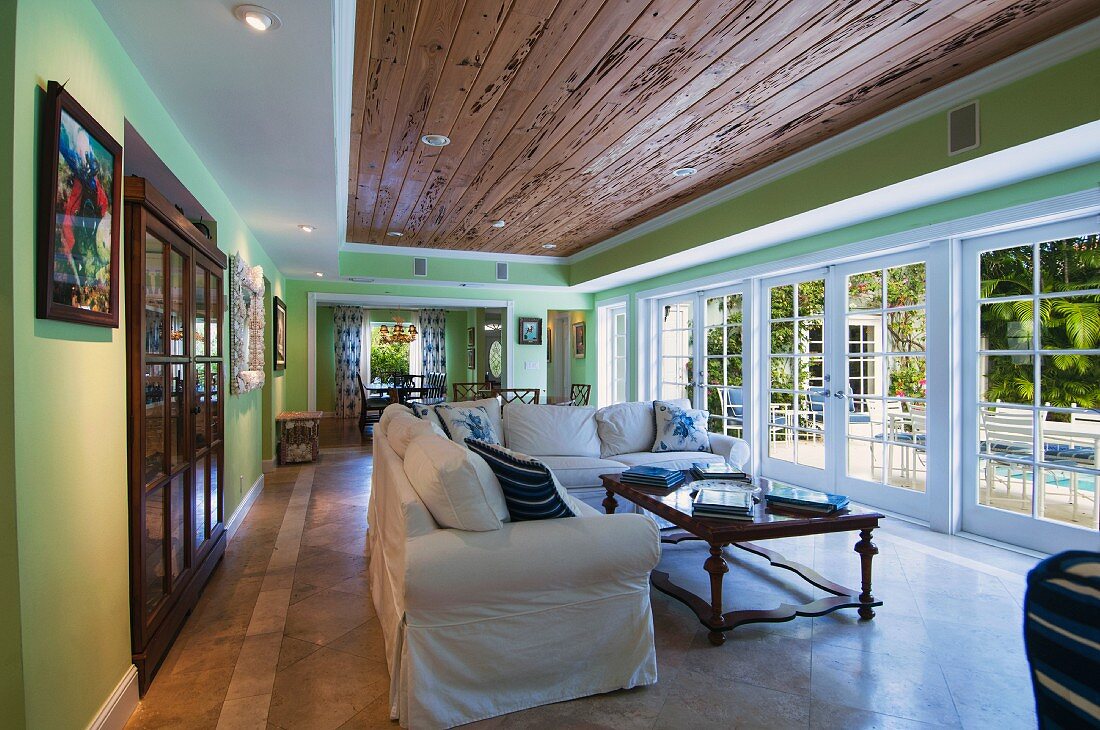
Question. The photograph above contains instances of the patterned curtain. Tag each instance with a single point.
(348, 333)
(433, 344)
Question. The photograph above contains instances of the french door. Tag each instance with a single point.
(844, 380)
(701, 351)
(1031, 403)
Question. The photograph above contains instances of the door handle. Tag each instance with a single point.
(840, 394)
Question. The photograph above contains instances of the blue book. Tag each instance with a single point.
(788, 495)
(654, 472)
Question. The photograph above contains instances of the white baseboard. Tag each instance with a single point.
(120, 705)
(242, 509)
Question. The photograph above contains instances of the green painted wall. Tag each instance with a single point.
(397, 266)
(527, 304)
(326, 361)
(11, 660)
(1050, 101)
(69, 385)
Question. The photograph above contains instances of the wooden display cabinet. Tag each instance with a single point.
(175, 370)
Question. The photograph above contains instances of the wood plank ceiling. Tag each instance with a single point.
(567, 117)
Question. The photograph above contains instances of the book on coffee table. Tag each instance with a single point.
(704, 470)
(652, 476)
(800, 498)
(728, 504)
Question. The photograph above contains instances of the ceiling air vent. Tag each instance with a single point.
(962, 128)
(502, 271)
(420, 266)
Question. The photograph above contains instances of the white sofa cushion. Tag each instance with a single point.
(545, 430)
(669, 459)
(626, 428)
(581, 471)
(453, 483)
(463, 422)
(402, 428)
(393, 409)
(679, 429)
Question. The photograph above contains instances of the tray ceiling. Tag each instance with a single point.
(568, 118)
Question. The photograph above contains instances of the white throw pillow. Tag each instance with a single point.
(393, 409)
(463, 422)
(451, 485)
(405, 427)
(628, 428)
(545, 430)
(680, 429)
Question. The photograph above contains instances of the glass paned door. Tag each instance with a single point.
(882, 403)
(797, 397)
(675, 355)
(1032, 407)
(723, 380)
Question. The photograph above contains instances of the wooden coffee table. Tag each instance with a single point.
(768, 523)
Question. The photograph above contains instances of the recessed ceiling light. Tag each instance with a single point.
(684, 171)
(257, 18)
(318, 273)
(549, 246)
(499, 224)
(395, 234)
(436, 140)
(306, 228)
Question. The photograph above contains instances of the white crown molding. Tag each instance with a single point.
(446, 253)
(118, 707)
(1041, 56)
(421, 281)
(343, 68)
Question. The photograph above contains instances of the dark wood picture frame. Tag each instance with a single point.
(471, 358)
(549, 343)
(530, 339)
(469, 337)
(59, 100)
(579, 345)
(278, 339)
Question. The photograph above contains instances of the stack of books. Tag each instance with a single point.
(702, 470)
(725, 504)
(652, 476)
(788, 496)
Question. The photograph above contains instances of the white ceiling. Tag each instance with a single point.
(256, 107)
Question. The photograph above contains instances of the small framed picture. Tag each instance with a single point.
(279, 325)
(80, 214)
(530, 331)
(578, 339)
(470, 359)
(549, 344)
(469, 337)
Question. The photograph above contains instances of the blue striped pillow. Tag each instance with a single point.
(528, 486)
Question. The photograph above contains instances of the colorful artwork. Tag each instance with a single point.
(79, 232)
(280, 334)
(530, 331)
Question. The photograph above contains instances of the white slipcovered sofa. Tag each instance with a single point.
(580, 444)
(479, 624)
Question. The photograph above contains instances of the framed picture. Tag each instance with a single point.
(530, 331)
(470, 359)
(549, 344)
(279, 325)
(469, 337)
(80, 214)
(578, 339)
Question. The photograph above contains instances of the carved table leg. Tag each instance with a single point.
(867, 550)
(610, 504)
(716, 566)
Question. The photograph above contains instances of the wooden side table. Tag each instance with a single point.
(298, 436)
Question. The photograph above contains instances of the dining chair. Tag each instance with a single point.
(370, 406)
(579, 394)
(520, 395)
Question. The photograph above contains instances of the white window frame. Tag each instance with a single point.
(606, 349)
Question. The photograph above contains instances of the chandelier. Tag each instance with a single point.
(399, 335)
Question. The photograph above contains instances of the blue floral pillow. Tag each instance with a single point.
(465, 422)
(680, 429)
